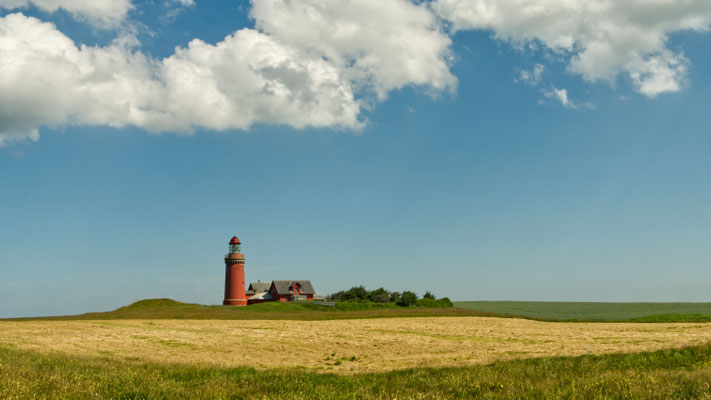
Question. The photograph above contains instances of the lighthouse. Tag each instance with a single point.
(234, 275)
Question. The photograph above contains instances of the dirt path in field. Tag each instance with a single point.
(345, 346)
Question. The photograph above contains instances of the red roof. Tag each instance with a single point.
(235, 240)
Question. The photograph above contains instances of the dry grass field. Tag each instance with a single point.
(343, 346)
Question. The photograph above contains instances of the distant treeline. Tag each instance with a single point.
(382, 295)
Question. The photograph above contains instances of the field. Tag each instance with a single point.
(359, 351)
(344, 346)
(571, 311)
(682, 373)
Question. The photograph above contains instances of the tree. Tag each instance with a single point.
(429, 295)
(356, 293)
(380, 295)
(446, 302)
(395, 297)
(338, 296)
(407, 299)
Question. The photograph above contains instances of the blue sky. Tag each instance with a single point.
(467, 175)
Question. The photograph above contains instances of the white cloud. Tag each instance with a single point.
(248, 78)
(45, 79)
(311, 63)
(18, 136)
(316, 63)
(561, 95)
(532, 77)
(665, 72)
(108, 13)
(383, 45)
(600, 38)
(175, 7)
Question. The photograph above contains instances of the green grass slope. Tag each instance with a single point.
(577, 311)
(679, 373)
(171, 309)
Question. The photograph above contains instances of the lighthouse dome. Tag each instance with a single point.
(235, 240)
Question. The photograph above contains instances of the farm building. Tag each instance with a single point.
(281, 290)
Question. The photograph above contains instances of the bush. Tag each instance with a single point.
(338, 296)
(380, 298)
(356, 293)
(407, 299)
(445, 302)
(379, 295)
(383, 296)
(431, 303)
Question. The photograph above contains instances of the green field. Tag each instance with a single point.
(679, 373)
(171, 309)
(571, 311)
(546, 311)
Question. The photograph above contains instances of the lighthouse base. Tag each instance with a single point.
(234, 302)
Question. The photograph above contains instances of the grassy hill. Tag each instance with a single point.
(171, 309)
(544, 311)
(579, 311)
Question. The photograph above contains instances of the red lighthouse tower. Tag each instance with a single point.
(234, 275)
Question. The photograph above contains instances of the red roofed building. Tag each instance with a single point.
(260, 292)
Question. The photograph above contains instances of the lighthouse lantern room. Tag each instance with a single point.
(235, 245)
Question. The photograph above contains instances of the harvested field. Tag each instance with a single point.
(344, 346)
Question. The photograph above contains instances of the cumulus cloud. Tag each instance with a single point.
(250, 77)
(316, 63)
(308, 63)
(46, 79)
(382, 45)
(107, 13)
(600, 38)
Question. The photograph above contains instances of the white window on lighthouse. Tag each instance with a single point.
(235, 248)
